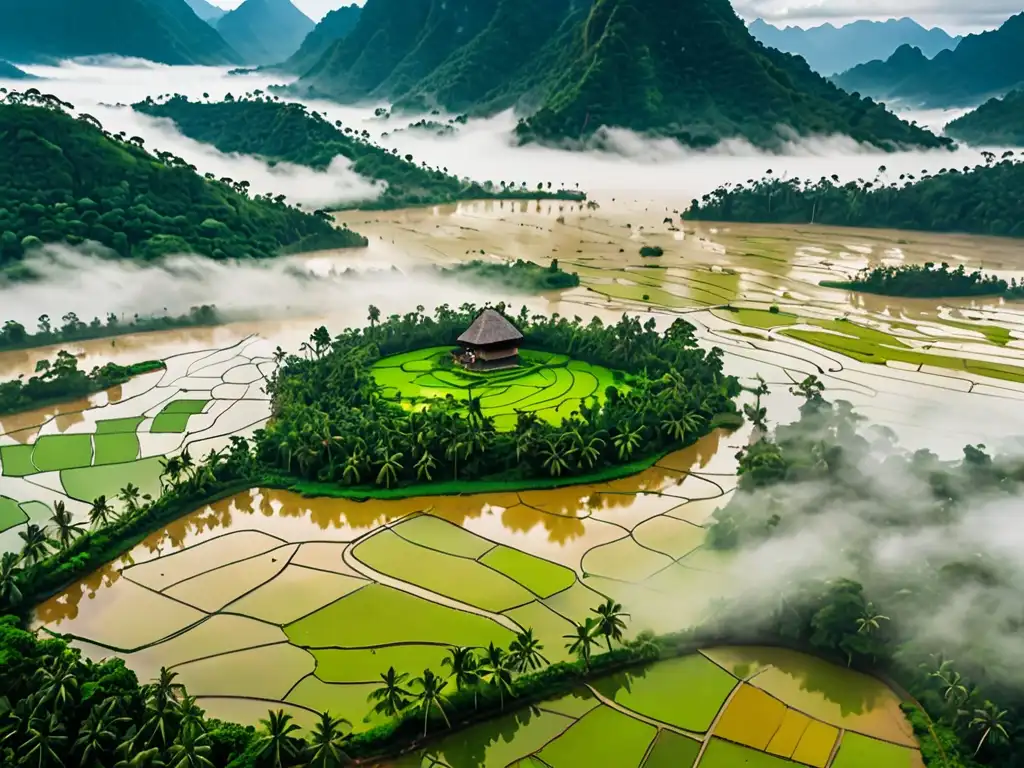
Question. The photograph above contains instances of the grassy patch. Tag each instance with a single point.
(601, 737)
(170, 422)
(17, 460)
(724, 754)
(10, 514)
(856, 751)
(185, 406)
(541, 577)
(53, 452)
(672, 750)
(86, 483)
(116, 448)
(110, 426)
(435, 533)
(365, 665)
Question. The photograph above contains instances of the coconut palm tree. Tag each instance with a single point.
(351, 473)
(188, 466)
(425, 464)
(555, 455)
(35, 543)
(278, 747)
(992, 723)
(65, 527)
(870, 621)
(430, 696)
(391, 698)
(464, 669)
(129, 496)
(191, 750)
(627, 440)
(101, 512)
(45, 742)
(190, 714)
(390, 466)
(327, 742)
(97, 736)
(590, 450)
(582, 640)
(9, 570)
(58, 683)
(373, 316)
(525, 652)
(496, 670)
(170, 467)
(609, 621)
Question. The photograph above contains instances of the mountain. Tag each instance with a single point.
(166, 31)
(981, 66)
(996, 123)
(206, 11)
(693, 72)
(64, 179)
(10, 72)
(829, 49)
(265, 31)
(336, 25)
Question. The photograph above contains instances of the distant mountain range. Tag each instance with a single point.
(996, 123)
(829, 49)
(981, 66)
(332, 27)
(166, 31)
(265, 31)
(10, 72)
(686, 69)
(206, 11)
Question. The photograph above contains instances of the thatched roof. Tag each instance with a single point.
(490, 327)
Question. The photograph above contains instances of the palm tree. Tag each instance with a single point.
(35, 544)
(321, 339)
(391, 697)
(170, 468)
(496, 670)
(464, 668)
(609, 621)
(190, 714)
(373, 316)
(627, 441)
(45, 742)
(870, 621)
(992, 723)
(590, 450)
(129, 495)
(391, 465)
(191, 750)
(147, 758)
(9, 591)
(165, 689)
(425, 464)
(525, 652)
(100, 513)
(554, 457)
(350, 473)
(98, 734)
(430, 695)
(583, 640)
(277, 746)
(59, 683)
(327, 743)
(66, 528)
(187, 465)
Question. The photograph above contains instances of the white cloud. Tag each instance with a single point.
(954, 15)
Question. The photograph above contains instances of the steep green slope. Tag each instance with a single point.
(166, 31)
(996, 123)
(265, 31)
(287, 132)
(335, 26)
(206, 11)
(695, 74)
(985, 200)
(63, 179)
(10, 72)
(983, 65)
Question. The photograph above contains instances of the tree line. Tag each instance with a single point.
(877, 616)
(983, 200)
(261, 124)
(63, 179)
(928, 281)
(332, 424)
(62, 380)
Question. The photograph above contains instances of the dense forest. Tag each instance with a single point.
(260, 124)
(518, 275)
(331, 423)
(996, 123)
(892, 546)
(696, 75)
(982, 65)
(14, 335)
(984, 200)
(167, 31)
(62, 380)
(928, 281)
(63, 179)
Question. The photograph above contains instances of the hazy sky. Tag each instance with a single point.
(954, 15)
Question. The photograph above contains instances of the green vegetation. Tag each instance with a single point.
(981, 65)
(14, 335)
(168, 32)
(518, 275)
(927, 281)
(652, 250)
(699, 77)
(996, 123)
(825, 470)
(62, 380)
(64, 180)
(980, 200)
(264, 32)
(262, 125)
(334, 423)
(336, 25)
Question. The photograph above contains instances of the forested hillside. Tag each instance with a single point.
(260, 125)
(983, 65)
(692, 72)
(985, 200)
(265, 31)
(996, 123)
(333, 27)
(65, 180)
(166, 31)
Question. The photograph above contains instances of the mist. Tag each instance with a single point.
(484, 149)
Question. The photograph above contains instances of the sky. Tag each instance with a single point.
(955, 16)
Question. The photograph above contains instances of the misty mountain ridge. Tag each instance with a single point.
(996, 123)
(333, 27)
(165, 31)
(10, 72)
(982, 66)
(265, 31)
(571, 66)
(206, 11)
(830, 49)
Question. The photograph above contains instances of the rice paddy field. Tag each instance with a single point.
(548, 385)
(269, 599)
